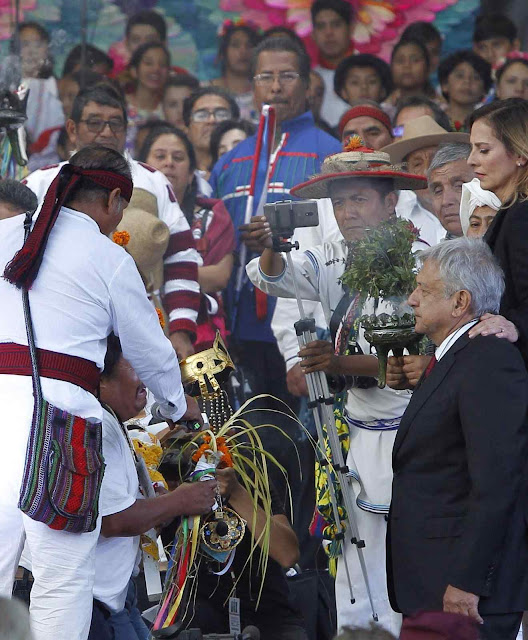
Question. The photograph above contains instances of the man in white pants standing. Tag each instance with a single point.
(82, 287)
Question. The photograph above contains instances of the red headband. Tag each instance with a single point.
(364, 110)
(24, 267)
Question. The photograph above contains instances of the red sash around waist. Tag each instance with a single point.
(15, 360)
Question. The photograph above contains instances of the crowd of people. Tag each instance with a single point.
(141, 154)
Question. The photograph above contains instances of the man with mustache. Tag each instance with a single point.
(281, 76)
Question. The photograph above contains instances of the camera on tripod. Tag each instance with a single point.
(287, 215)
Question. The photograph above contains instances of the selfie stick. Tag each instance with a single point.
(321, 402)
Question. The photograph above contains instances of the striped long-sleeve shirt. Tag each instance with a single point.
(181, 295)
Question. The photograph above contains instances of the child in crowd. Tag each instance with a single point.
(363, 76)
(71, 84)
(177, 89)
(227, 135)
(427, 34)
(494, 37)
(511, 77)
(465, 78)
(237, 42)
(149, 68)
(410, 66)
(94, 59)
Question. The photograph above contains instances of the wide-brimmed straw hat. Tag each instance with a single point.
(419, 133)
(149, 237)
(357, 161)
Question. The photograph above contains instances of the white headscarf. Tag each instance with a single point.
(473, 196)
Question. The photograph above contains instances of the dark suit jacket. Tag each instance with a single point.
(508, 239)
(460, 482)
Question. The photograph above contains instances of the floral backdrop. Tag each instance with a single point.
(193, 24)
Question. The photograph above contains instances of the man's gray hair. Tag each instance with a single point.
(447, 153)
(17, 196)
(467, 263)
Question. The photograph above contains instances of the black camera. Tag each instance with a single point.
(286, 215)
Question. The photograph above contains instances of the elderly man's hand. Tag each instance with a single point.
(228, 484)
(396, 378)
(405, 371)
(318, 356)
(257, 234)
(463, 602)
(495, 325)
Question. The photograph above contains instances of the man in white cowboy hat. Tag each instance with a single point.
(416, 148)
(362, 186)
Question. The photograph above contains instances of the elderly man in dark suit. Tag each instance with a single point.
(457, 538)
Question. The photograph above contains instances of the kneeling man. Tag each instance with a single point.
(457, 534)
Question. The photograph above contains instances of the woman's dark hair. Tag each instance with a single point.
(94, 56)
(112, 357)
(104, 94)
(225, 39)
(439, 115)
(507, 65)
(189, 198)
(283, 44)
(138, 54)
(189, 102)
(363, 61)
(449, 64)
(95, 156)
(494, 25)
(223, 127)
(282, 31)
(423, 31)
(152, 19)
(418, 44)
(182, 80)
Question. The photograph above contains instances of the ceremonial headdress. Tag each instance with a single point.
(357, 161)
(24, 267)
(473, 196)
(419, 133)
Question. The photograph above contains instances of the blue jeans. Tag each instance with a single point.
(126, 624)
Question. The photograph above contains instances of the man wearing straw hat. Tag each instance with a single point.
(416, 148)
(362, 186)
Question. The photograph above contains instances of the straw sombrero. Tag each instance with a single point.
(149, 237)
(356, 161)
(419, 133)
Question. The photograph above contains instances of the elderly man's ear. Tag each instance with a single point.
(461, 303)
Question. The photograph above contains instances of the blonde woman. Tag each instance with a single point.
(499, 157)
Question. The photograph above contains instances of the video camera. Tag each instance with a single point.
(287, 215)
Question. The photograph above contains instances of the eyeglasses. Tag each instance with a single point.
(218, 115)
(285, 77)
(96, 125)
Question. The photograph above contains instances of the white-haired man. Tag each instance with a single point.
(457, 534)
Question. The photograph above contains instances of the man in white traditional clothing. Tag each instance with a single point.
(99, 116)
(81, 287)
(362, 186)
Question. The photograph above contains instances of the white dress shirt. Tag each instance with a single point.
(448, 342)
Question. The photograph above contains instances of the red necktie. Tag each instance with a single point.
(430, 366)
(261, 300)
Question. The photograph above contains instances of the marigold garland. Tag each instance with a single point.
(160, 317)
(221, 446)
(122, 238)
